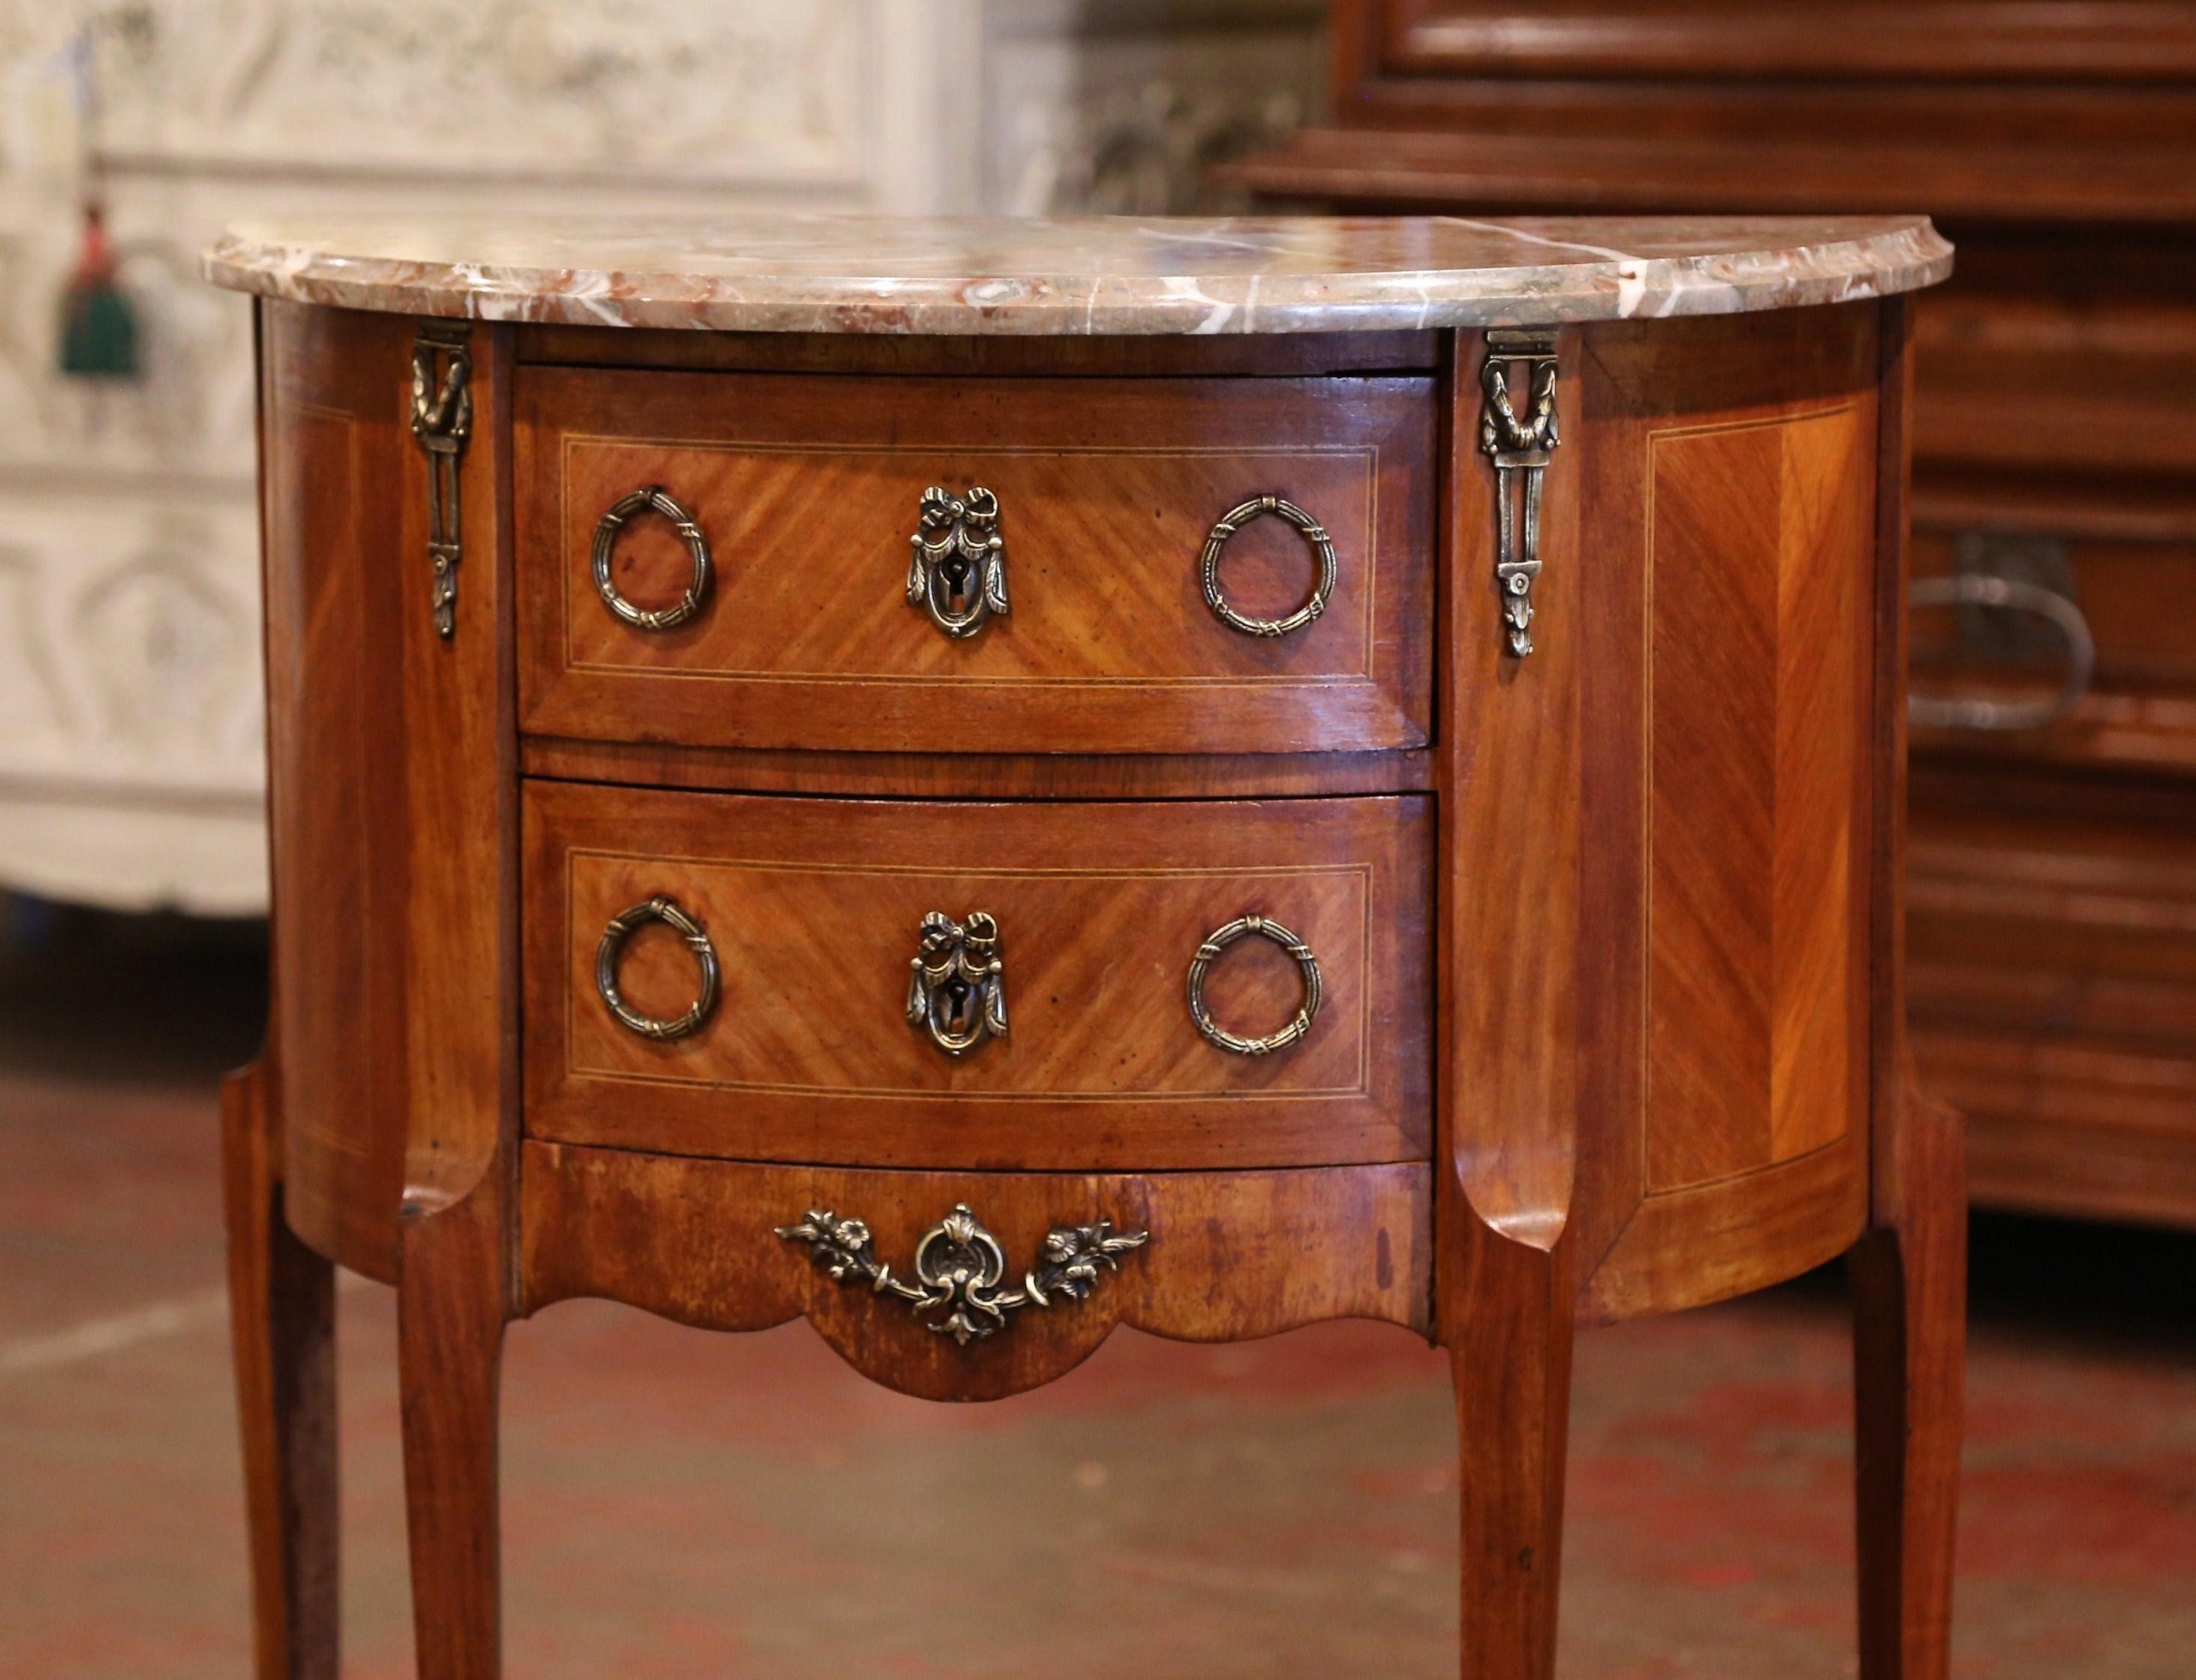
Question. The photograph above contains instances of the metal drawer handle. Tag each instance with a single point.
(1219, 941)
(1974, 590)
(621, 929)
(651, 500)
(959, 1266)
(956, 989)
(1322, 547)
(958, 567)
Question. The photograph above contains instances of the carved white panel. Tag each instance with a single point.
(130, 701)
(1122, 109)
(712, 92)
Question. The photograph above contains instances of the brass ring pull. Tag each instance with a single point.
(1322, 547)
(651, 500)
(1219, 940)
(621, 929)
(2008, 595)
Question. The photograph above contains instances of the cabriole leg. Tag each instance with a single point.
(282, 1305)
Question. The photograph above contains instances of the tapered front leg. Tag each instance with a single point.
(1512, 1367)
(1910, 1303)
(450, 1320)
(282, 1308)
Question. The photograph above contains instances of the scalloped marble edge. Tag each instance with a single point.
(1905, 255)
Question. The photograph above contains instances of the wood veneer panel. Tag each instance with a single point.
(392, 789)
(1959, 40)
(1729, 800)
(333, 386)
(1276, 354)
(1231, 1255)
(1673, 149)
(2089, 1128)
(807, 492)
(2053, 987)
(1759, 537)
(960, 776)
(814, 907)
(1514, 964)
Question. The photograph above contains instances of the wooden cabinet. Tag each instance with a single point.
(2054, 459)
(1287, 771)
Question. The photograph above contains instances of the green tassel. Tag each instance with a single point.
(99, 329)
(99, 335)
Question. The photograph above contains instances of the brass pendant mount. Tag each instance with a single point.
(1520, 447)
(442, 421)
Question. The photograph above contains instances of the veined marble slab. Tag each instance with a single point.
(795, 273)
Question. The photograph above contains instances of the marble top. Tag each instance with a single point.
(796, 273)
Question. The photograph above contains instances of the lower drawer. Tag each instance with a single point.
(2076, 649)
(974, 985)
(2051, 984)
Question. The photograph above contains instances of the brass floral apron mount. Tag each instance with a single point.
(959, 1266)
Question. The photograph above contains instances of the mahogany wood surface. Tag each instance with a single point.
(964, 776)
(816, 906)
(1537, 153)
(1246, 354)
(452, 1303)
(1952, 39)
(393, 802)
(807, 492)
(1516, 1070)
(1609, 936)
(2012, 112)
(1909, 1271)
(393, 820)
(1232, 1255)
(333, 390)
(281, 1300)
(1910, 1303)
(2069, 903)
(1732, 1026)
(1513, 1060)
(1512, 1364)
(2056, 144)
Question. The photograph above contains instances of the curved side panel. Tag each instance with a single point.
(1735, 506)
(1231, 1255)
(333, 386)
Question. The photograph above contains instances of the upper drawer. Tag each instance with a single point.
(806, 491)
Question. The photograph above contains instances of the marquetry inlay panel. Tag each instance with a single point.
(1107, 488)
(1758, 533)
(814, 908)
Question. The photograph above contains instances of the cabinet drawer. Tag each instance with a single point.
(814, 912)
(804, 493)
(2091, 659)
